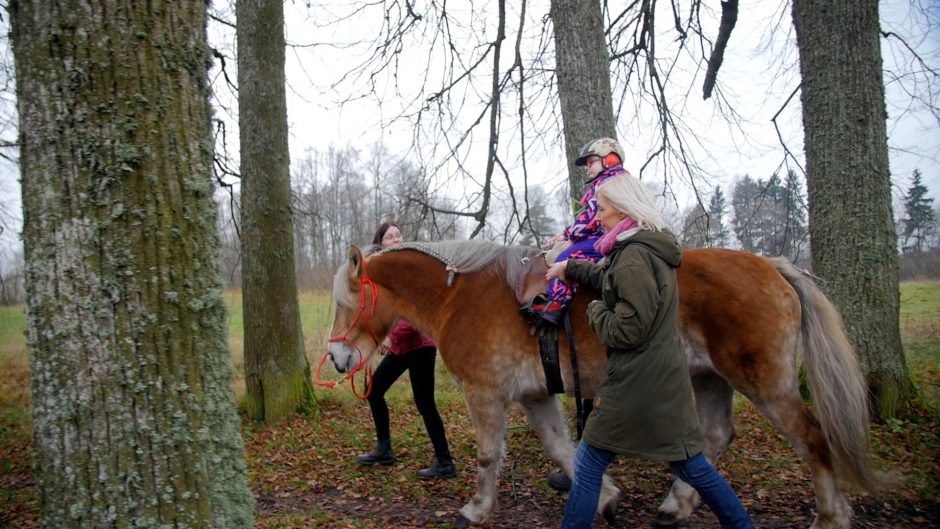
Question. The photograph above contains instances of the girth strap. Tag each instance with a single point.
(569, 330)
(548, 351)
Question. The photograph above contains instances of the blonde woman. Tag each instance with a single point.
(644, 405)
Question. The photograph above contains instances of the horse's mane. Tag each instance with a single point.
(464, 257)
(471, 256)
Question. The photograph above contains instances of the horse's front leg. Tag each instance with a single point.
(713, 401)
(488, 413)
(545, 417)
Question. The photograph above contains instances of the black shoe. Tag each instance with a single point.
(380, 455)
(546, 314)
(442, 468)
(559, 481)
(552, 313)
(529, 313)
(543, 312)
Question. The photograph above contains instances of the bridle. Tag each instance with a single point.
(364, 282)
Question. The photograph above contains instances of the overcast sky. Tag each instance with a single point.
(758, 74)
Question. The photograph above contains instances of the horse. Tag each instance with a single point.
(743, 320)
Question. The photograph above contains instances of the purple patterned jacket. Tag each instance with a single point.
(585, 223)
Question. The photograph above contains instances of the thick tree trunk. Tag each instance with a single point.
(854, 244)
(134, 420)
(277, 374)
(582, 68)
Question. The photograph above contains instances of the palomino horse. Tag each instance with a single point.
(742, 318)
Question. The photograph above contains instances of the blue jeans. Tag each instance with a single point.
(590, 463)
(714, 490)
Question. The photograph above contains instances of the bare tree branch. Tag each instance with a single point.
(729, 17)
(783, 144)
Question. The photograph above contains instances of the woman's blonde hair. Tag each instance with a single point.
(628, 195)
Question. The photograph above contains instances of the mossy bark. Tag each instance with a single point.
(854, 243)
(277, 374)
(582, 68)
(134, 420)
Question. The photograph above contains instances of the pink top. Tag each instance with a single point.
(405, 338)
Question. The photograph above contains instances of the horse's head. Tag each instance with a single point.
(359, 323)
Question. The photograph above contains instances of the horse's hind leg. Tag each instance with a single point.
(545, 417)
(790, 416)
(713, 401)
(488, 414)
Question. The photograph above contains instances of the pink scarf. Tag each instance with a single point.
(606, 243)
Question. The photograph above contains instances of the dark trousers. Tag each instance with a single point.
(420, 366)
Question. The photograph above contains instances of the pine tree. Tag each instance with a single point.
(918, 223)
(794, 216)
(718, 230)
(768, 215)
(744, 197)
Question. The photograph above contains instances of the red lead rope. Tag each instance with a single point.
(373, 288)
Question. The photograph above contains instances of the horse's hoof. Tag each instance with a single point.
(610, 511)
(665, 519)
(462, 522)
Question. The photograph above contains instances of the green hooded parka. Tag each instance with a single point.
(644, 406)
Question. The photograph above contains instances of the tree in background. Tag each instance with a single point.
(544, 224)
(934, 241)
(746, 198)
(706, 229)
(795, 235)
(718, 227)
(854, 244)
(134, 421)
(919, 223)
(695, 228)
(277, 375)
(408, 200)
(768, 216)
(338, 201)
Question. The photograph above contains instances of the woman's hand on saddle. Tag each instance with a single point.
(556, 271)
(554, 240)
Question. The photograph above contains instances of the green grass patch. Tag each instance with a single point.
(920, 334)
(12, 331)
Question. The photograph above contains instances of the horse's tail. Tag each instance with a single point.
(839, 391)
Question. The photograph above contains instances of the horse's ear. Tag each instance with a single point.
(355, 264)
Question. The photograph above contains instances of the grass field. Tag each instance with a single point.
(920, 331)
(303, 474)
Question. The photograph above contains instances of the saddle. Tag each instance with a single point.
(531, 280)
(529, 285)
